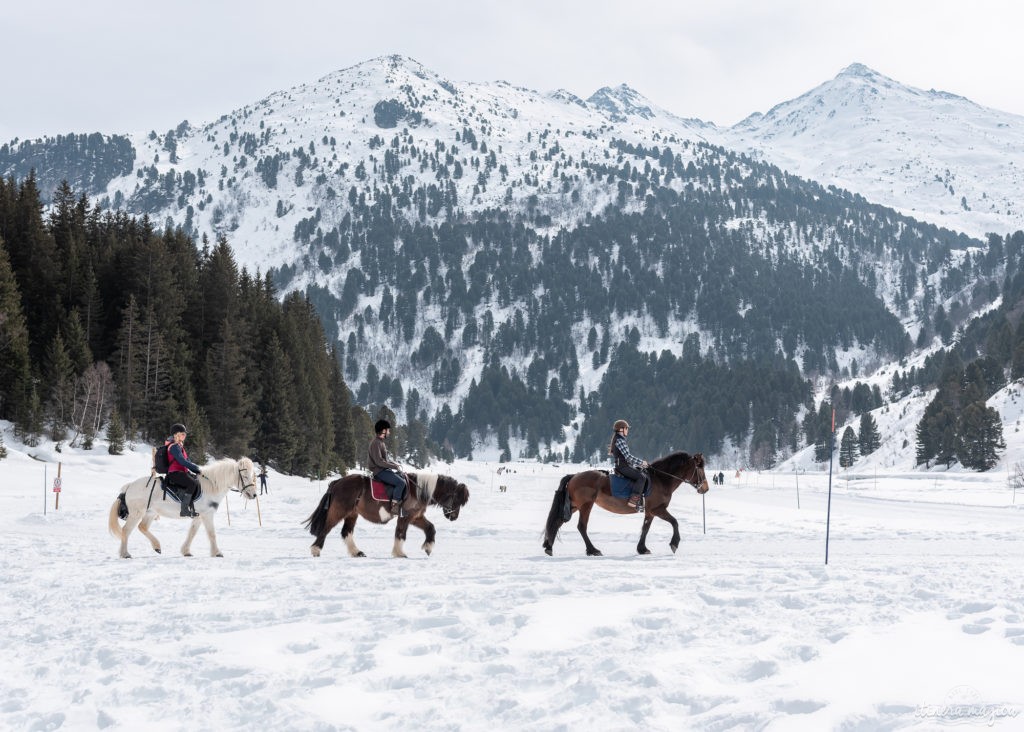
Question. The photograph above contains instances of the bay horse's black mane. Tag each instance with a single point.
(672, 462)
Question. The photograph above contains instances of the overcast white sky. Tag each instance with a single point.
(127, 65)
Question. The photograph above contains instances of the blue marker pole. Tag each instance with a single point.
(828, 513)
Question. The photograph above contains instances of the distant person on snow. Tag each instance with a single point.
(384, 469)
(180, 469)
(628, 465)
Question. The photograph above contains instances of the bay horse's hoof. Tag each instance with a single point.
(547, 550)
(645, 550)
(314, 550)
(595, 553)
(673, 547)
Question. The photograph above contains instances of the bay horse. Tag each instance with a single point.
(583, 490)
(348, 498)
(144, 501)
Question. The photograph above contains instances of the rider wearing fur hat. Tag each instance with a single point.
(384, 469)
(180, 469)
(628, 465)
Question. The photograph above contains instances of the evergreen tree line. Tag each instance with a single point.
(958, 426)
(107, 324)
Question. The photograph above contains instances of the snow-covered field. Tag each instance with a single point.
(917, 621)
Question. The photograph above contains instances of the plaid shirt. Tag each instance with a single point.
(622, 453)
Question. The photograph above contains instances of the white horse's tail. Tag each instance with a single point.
(113, 522)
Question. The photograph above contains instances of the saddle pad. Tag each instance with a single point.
(378, 490)
(621, 487)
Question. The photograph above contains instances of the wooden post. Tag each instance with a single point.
(226, 509)
(56, 489)
(258, 515)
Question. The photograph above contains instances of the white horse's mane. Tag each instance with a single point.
(426, 484)
(224, 473)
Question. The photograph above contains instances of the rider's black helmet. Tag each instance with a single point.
(381, 425)
(178, 427)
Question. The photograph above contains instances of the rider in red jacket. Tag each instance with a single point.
(180, 470)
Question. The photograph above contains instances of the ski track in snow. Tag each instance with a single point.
(744, 628)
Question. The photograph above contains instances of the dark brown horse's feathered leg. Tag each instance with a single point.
(428, 530)
(592, 551)
(663, 513)
(347, 530)
(641, 548)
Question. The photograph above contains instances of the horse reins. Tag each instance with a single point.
(693, 474)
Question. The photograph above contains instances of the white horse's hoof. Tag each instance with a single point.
(218, 554)
(186, 554)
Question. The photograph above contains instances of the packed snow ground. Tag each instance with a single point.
(917, 621)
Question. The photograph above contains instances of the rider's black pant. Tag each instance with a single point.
(639, 478)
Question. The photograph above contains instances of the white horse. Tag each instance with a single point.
(145, 501)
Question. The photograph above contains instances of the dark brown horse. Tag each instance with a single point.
(349, 498)
(583, 490)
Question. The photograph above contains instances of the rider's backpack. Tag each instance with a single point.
(161, 462)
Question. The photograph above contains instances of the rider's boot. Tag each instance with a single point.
(635, 501)
(187, 508)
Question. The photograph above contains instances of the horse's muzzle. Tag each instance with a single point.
(703, 488)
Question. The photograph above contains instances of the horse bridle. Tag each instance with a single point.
(693, 474)
(449, 508)
(241, 479)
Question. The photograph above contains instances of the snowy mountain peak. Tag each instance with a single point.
(622, 102)
(932, 155)
(859, 70)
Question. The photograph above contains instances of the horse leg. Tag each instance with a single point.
(144, 528)
(592, 551)
(641, 548)
(663, 513)
(129, 526)
(347, 530)
(427, 528)
(193, 527)
(211, 532)
(401, 528)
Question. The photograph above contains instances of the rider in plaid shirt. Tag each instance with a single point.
(629, 465)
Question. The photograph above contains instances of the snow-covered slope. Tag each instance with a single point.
(916, 622)
(932, 155)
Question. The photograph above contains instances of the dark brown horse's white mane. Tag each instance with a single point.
(349, 498)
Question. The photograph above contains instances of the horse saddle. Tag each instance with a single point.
(178, 493)
(622, 487)
(379, 491)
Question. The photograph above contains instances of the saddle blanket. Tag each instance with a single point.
(622, 487)
(378, 490)
(414, 481)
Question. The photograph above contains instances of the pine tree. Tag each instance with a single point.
(15, 376)
(278, 436)
(980, 437)
(3, 446)
(869, 439)
(59, 387)
(848, 448)
(226, 402)
(115, 434)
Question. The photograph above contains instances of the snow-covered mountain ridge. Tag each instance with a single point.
(932, 155)
(327, 182)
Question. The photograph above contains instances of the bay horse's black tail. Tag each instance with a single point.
(560, 512)
(318, 519)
